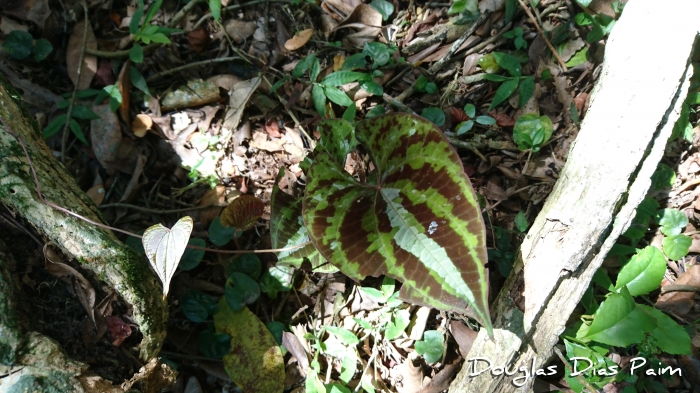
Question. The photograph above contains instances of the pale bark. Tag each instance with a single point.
(94, 248)
(633, 108)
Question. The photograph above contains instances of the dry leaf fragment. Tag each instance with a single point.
(82, 288)
(141, 124)
(75, 47)
(97, 194)
(118, 330)
(300, 39)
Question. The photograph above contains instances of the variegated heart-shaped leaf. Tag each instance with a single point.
(164, 248)
(416, 219)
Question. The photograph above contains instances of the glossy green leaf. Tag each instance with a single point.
(417, 218)
(644, 272)
(338, 96)
(350, 113)
(240, 290)
(532, 131)
(579, 57)
(470, 110)
(248, 264)
(83, 112)
(276, 279)
(344, 335)
(521, 222)
(488, 64)
(485, 120)
(287, 227)
(303, 65)
(465, 127)
(219, 234)
(670, 336)
(165, 246)
(663, 177)
(255, 362)
(42, 48)
(277, 329)
(508, 63)
(191, 257)
(619, 322)
(399, 322)
(672, 221)
(372, 87)
(136, 53)
(319, 97)
(357, 60)
(676, 247)
(375, 111)
(379, 53)
(55, 126)
(384, 7)
(436, 115)
(341, 77)
(431, 347)
(77, 131)
(315, 70)
(136, 18)
(213, 345)
(196, 306)
(504, 91)
(215, 8)
(348, 366)
(527, 88)
(138, 81)
(18, 44)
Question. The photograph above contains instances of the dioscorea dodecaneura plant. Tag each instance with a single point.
(416, 218)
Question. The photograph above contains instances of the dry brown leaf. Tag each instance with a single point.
(272, 128)
(239, 30)
(141, 124)
(300, 39)
(80, 286)
(681, 303)
(295, 347)
(75, 47)
(97, 194)
(31, 10)
(124, 85)
(7, 25)
(111, 150)
(237, 102)
(338, 61)
(214, 196)
(198, 40)
(196, 93)
(365, 24)
(224, 81)
(464, 336)
(411, 375)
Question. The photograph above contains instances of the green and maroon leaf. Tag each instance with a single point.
(287, 230)
(337, 139)
(242, 212)
(417, 218)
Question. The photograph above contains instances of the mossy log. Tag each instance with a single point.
(632, 113)
(95, 248)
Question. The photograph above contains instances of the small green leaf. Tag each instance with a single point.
(196, 306)
(488, 64)
(85, 113)
(191, 257)
(431, 347)
(341, 77)
(350, 113)
(55, 126)
(430, 88)
(219, 234)
(138, 81)
(676, 247)
(248, 264)
(152, 10)
(18, 44)
(136, 53)
(378, 52)
(136, 18)
(348, 367)
(344, 335)
(644, 272)
(240, 290)
(436, 115)
(399, 321)
(375, 111)
(372, 87)
(77, 131)
(511, 8)
(672, 221)
(521, 222)
(338, 96)
(303, 65)
(584, 3)
(115, 95)
(276, 279)
(465, 126)
(470, 110)
(485, 120)
(619, 322)
(384, 7)
(276, 328)
(213, 345)
(670, 337)
(315, 70)
(313, 384)
(579, 57)
(358, 60)
(388, 286)
(215, 8)
(42, 48)
(457, 7)
(508, 63)
(420, 83)
(531, 131)
(663, 177)
(504, 91)
(527, 88)
(319, 97)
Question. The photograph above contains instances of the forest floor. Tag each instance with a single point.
(167, 130)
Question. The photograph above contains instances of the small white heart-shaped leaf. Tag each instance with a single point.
(164, 248)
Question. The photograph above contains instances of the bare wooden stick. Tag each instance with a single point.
(544, 37)
(455, 46)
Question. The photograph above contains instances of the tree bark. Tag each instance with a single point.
(633, 109)
(95, 248)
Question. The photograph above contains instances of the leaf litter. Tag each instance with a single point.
(222, 131)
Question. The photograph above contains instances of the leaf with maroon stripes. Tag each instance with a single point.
(416, 219)
(242, 212)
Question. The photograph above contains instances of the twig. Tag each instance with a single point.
(98, 224)
(190, 65)
(64, 138)
(237, 6)
(485, 43)
(455, 46)
(679, 288)
(156, 211)
(544, 36)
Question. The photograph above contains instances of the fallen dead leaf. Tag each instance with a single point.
(366, 20)
(300, 39)
(196, 93)
(30, 10)
(239, 30)
(239, 99)
(198, 40)
(75, 47)
(7, 25)
(681, 303)
(214, 196)
(96, 194)
(272, 128)
(463, 335)
(141, 124)
(260, 141)
(111, 150)
(117, 330)
(80, 286)
(224, 81)
(295, 347)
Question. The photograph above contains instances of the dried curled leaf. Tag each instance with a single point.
(242, 212)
